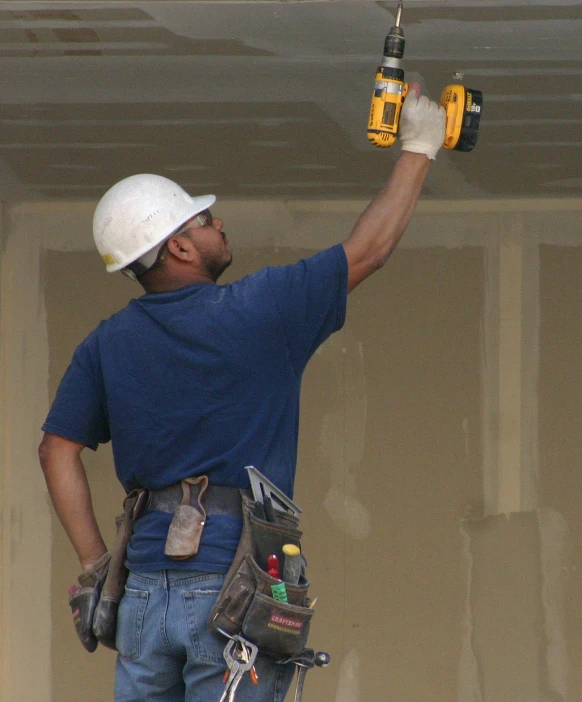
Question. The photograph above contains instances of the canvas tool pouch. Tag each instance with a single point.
(246, 605)
(105, 614)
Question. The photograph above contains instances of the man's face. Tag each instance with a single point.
(205, 232)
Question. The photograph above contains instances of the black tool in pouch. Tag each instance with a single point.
(246, 604)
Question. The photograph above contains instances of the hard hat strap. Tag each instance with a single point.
(134, 270)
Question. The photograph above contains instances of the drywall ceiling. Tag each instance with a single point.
(270, 99)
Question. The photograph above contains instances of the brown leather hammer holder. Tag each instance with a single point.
(187, 523)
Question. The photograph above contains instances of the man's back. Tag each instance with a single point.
(204, 380)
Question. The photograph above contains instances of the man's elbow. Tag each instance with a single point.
(364, 268)
(53, 446)
(45, 451)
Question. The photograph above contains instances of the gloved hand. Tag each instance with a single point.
(84, 597)
(422, 124)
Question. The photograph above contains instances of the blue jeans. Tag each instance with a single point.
(166, 652)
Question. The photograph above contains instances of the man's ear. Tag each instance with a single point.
(181, 247)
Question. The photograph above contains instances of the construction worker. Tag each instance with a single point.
(196, 378)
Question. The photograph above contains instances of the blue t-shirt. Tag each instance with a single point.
(202, 380)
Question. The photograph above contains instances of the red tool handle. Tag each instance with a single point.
(273, 566)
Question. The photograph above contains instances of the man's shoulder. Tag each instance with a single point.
(325, 259)
(118, 319)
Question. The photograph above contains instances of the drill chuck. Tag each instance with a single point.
(394, 44)
(394, 47)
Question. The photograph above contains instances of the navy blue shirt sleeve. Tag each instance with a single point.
(78, 413)
(311, 299)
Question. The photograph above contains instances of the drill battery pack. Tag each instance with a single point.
(463, 107)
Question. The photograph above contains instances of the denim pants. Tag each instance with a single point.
(166, 652)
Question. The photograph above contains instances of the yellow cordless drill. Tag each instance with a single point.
(462, 105)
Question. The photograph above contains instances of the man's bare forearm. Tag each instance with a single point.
(70, 494)
(382, 224)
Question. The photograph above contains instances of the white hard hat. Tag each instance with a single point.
(136, 216)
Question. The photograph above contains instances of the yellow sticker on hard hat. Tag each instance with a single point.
(108, 258)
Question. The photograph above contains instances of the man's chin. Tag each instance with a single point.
(224, 266)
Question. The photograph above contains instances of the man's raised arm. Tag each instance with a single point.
(381, 225)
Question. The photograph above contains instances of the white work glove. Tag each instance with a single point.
(422, 124)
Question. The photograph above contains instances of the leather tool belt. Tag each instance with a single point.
(95, 598)
(249, 603)
(217, 499)
(190, 501)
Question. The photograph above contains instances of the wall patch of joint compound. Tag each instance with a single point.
(348, 421)
(517, 567)
(348, 686)
(555, 544)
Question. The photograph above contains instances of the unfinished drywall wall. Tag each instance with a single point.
(25, 554)
(560, 400)
(440, 573)
(389, 406)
